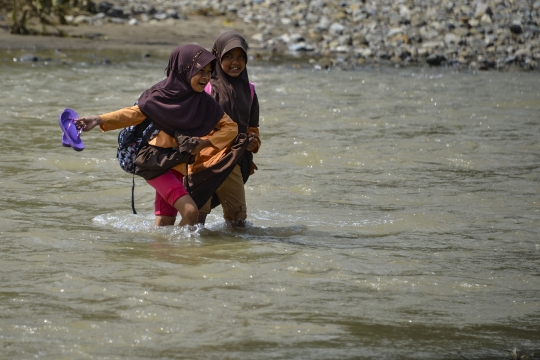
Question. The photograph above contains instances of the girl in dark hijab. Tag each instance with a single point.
(177, 102)
(183, 113)
(231, 88)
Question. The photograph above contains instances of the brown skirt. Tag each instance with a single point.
(203, 184)
(153, 161)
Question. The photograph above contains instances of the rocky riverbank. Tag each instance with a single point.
(488, 34)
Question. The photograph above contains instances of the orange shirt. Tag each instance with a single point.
(221, 137)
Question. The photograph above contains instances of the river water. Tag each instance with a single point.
(395, 215)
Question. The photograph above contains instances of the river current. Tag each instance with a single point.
(395, 215)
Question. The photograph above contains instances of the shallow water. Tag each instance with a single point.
(394, 215)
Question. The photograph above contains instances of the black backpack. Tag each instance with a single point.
(130, 140)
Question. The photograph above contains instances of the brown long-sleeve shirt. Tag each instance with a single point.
(221, 137)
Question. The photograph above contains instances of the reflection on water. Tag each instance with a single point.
(395, 215)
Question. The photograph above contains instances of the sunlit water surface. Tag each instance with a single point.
(395, 214)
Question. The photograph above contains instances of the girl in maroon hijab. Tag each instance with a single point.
(231, 88)
(185, 116)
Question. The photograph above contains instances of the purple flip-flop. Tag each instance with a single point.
(65, 141)
(72, 136)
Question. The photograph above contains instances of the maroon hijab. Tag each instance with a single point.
(173, 105)
(232, 93)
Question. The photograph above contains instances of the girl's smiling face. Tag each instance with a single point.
(233, 62)
(201, 78)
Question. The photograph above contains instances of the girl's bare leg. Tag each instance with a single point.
(164, 220)
(237, 224)
(202, 218)
(188, 210)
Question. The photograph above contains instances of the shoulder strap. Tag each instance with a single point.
(252, 88)
(133, 195)
(145, 138)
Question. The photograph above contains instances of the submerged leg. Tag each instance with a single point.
(237, 224)
(187, 209)
(202, 218)
(164, 220)
(233, 199)
(171, 198)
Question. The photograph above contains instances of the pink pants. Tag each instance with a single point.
(169, 188)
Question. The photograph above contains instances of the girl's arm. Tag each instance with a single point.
(253, 128)
(255, 140)
(114, 120)
(225, 132)
(87, 123)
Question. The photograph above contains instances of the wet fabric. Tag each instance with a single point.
(203, 184)
(232, 197)
(169, 188)
(153, 161)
